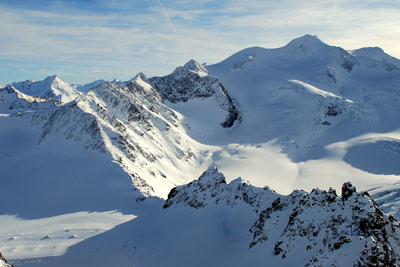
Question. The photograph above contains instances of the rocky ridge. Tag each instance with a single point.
(323, 228)
(13, 101)
(192, 81)
(129, 122)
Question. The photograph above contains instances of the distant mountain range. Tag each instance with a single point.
(290, 120)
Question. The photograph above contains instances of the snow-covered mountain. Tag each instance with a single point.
(290, 119)
(130, 123)
(312, 87)
(141, 133)
(321, 105)
(51, 87)
(86, 87)
(303, 229)
(193, 83)
(13, 101)
(377, 54)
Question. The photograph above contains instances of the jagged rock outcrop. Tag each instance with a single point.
(326, 226)
(319, 228)
(193, 81)
(211, 189)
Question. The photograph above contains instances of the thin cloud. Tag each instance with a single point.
(167, 17)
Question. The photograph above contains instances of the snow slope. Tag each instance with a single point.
(55, 190)
(86, 87)
(304, 99)
(51, 87)
(211, 223)
(76, 170)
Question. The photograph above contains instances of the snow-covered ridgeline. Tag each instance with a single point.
(131, 123)
(51, 87)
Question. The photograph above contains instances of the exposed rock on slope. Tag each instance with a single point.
(4, 264)
(132, 124)
(315, 229)
(332, 108)
(192, 81)
(13, 101)
(211, 189)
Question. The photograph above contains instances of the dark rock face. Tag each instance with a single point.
(339, 223)
(211, 189)
(332, 111)
(329, 229)
(348, 62)
(193, 81)
(347, 190)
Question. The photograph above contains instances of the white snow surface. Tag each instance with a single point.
(52, 236)
(212, 223)
(86, 87)
(51, 87)
(310, 115)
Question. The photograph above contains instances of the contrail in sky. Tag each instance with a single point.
(166, 15)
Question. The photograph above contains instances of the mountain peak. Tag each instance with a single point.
(193, 65)
(213, 175)
(50, 87)
(375, 53)
(55, 80)
(141, 76)
(305, 43)
(52, 78)
(308, 38)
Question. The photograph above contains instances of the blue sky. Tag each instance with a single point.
(82, 41)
